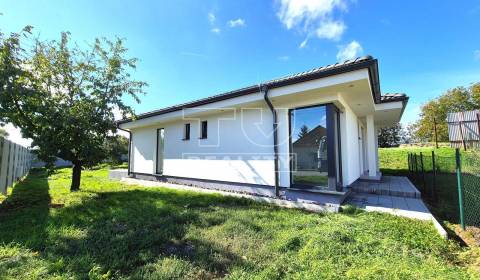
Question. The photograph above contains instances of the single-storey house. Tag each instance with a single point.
(315, 130)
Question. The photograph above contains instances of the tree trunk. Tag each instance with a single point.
(76, 175)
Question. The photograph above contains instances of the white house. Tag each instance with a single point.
(315, 130)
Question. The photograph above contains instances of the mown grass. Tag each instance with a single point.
(441, 193)
(112, 231)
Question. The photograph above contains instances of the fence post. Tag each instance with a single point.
(434, 171)
(423, 173)
(459, 186)
(409, 163)
(415, 171)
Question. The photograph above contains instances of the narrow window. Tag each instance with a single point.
(186, 132)
(203, 132)
(160, 149)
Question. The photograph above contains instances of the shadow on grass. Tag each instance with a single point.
(117, 231)
(24, 213)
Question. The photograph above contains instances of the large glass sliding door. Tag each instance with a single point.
(315, 147)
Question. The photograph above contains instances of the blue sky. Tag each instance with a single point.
(193, 49)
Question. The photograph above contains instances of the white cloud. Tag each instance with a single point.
(239, 22)
(284, 58)
(303, 44)
(350, 51)
(211, 18)
(332, 30)
(313, 17)
(476, 55)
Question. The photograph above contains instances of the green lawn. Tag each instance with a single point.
(109, 230)
(395, 160)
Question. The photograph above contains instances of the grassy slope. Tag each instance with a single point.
(109, 230)
(394, 160)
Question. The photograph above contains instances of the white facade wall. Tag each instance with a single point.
(238, 148)
(143, 150)
(283, 147)
(350, 146)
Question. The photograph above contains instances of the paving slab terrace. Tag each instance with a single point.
(393, 195)
(388, 185)
(401, 206)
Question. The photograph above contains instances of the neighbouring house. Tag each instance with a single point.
(315, 130)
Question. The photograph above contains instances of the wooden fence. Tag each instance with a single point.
(15, 162)
(464, 129)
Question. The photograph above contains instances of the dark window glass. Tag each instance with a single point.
(309, 145)
(186, 133)
(203, 134)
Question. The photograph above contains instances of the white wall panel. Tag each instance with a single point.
(143, 152)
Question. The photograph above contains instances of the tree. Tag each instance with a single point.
(64, 97)
(303, 131)
(116, 147)
(391, 136)
(435, 111)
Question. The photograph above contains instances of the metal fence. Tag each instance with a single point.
(449, 183)
(15, 161)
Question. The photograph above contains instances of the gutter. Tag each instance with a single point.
(264, 89)
(129, 147)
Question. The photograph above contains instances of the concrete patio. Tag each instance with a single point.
(392, 194)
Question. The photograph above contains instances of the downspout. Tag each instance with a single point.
(264, 89)
(129, 148)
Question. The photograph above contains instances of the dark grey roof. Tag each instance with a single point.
(333, 69)
(321, 69)
(393, 97)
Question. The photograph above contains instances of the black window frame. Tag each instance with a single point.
(186, 132)
(335, 180)
(203, 130)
